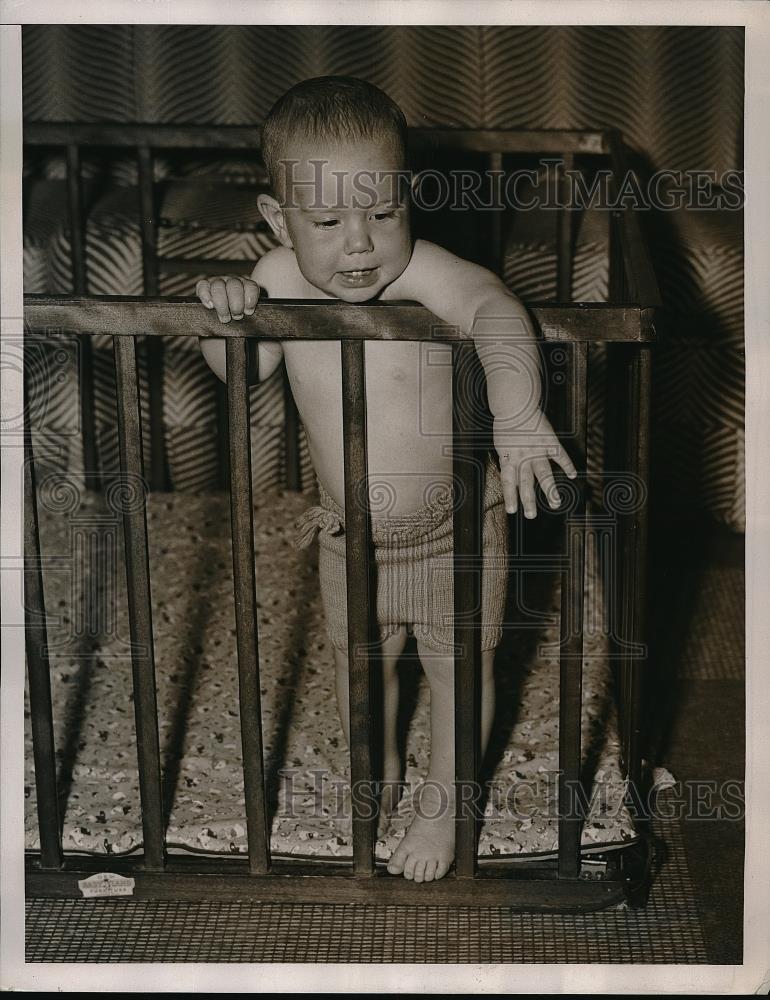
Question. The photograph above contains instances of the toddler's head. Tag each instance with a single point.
(335, 151)
(328, 111)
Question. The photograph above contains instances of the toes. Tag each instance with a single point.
(419, 871)
(396, 863)
(430, 871)
(442, 867)
(409, 867)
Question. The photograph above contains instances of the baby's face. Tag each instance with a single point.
(345, 217)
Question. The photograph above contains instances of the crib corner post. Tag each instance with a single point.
(564, 232)
(634, 541)
(570, 821)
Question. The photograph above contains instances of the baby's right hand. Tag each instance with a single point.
(232, 297)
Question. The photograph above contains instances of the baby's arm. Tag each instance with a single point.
(234, 298)
(474, 299)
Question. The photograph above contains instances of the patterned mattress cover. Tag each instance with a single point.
(306, 760)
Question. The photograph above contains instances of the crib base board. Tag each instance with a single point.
(607, 880)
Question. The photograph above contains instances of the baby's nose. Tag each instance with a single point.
(357, 238)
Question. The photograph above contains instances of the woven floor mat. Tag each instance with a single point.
(667, 931)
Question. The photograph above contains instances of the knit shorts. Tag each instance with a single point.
(413, 561)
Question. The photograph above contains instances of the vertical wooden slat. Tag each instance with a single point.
(80, 287)
(635, 539)
(147, 220)
(642, 283)
(618, 284)
(158, 462)
(154, 346)
(223, 447)
(293, 470)
(245, 584)
(139, 605)
(495, 161)
(41, 709)
(358, 570)
(571, 657)
(564, 235)
(75, 204)
(617, 427)
(625, 559)
(88, 413)
(468, 474)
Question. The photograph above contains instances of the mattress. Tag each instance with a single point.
(306, 760)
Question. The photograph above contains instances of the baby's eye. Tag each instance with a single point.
(382, 216)
(326, 223)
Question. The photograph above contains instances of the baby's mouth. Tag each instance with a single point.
(359, 277)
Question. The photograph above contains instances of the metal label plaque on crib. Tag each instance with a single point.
(106, 884)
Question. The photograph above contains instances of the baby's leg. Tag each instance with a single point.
(390, 651)
(427, 850)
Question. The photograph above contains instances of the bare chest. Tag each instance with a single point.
(398, 374)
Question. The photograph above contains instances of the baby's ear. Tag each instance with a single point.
(275, 217)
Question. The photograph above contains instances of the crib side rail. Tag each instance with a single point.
(298, 319)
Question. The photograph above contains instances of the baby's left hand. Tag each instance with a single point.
(526, 456)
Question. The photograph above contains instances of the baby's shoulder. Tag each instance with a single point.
(278, 273)
(426, 255)
(429, 264)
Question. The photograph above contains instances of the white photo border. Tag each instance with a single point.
(753, 976)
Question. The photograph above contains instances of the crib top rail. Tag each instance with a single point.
(294, 319)
(246, 137)
(634, 280)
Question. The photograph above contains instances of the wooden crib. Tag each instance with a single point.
(625, 324)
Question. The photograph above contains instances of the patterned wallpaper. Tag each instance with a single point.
(675, 92)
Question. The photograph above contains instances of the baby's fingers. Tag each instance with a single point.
(544, 475)
(562, 458)
(527, 489)
(250, 296)
(235, 297)
(203, 291)
(219, 296)
(509, 481)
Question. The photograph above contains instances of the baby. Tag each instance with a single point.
(335, 151)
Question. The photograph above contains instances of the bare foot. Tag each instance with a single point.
(428, 849)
